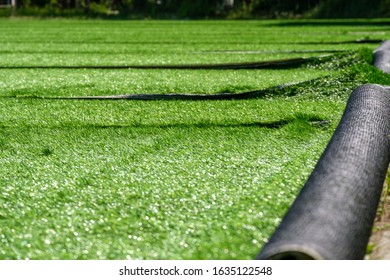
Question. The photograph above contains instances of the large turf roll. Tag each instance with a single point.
(332, 217)
(382, 57)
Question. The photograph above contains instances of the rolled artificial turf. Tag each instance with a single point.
(332, 217)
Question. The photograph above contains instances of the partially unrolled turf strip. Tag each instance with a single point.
(333, 215)
(270, 64)
(152, 180)
(382, 57)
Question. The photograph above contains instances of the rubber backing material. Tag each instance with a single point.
(382, 57)
(333, 215)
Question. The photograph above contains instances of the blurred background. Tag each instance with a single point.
(197, 9)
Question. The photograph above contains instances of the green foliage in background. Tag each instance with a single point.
(203, 8)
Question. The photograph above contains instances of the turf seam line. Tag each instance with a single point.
(357, 41)
(270, 64)
(182, 96)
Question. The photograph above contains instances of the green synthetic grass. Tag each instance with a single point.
(59, 82)
(89, 179)
(186, 180)
(73, 42)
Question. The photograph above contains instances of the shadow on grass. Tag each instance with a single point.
(310, 119)
(270, 125)
(269, 64)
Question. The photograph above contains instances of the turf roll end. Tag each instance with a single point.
(382, 57)
(333, 215)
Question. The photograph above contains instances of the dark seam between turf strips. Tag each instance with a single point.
(102, 42)
(333, 215)
(319, 124)
(271, 64)
(192, 52)
(184, 96)
(358, 41)
(267, 52)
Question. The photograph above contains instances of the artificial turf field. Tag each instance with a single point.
(174, 179)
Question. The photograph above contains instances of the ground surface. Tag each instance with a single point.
(83, 179)
(380, 238)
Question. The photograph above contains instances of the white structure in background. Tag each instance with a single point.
(7, 3)
(228, 3)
